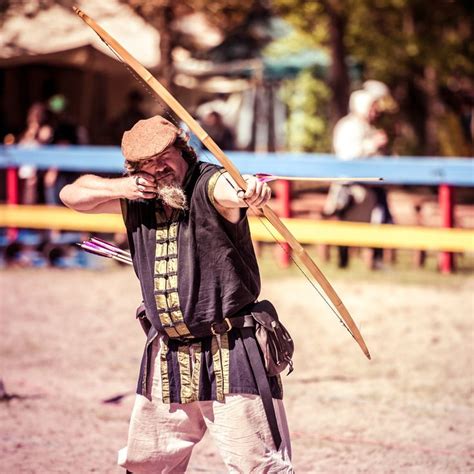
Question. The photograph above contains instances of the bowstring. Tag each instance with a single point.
(208, 154)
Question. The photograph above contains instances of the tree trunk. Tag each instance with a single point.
(164, 18)
(338, 74)
(433, 109)
(415, 103)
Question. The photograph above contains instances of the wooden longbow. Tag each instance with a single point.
(211, 145)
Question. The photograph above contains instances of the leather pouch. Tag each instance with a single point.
(274, 340)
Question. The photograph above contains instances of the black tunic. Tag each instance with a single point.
(195, 269)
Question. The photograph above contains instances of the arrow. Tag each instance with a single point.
(266, 178)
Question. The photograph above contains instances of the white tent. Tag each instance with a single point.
(56, 35)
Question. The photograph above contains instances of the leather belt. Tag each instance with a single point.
(240, 322)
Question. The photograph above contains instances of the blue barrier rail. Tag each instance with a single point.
(395, 170)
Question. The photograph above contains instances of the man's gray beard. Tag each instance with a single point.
(173, 196)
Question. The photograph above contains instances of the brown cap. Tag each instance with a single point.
(148, 138)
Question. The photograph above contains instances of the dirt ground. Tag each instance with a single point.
(69, 341)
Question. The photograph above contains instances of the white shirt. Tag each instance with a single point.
(353, 138)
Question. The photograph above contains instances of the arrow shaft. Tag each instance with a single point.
(109, 246)
(102, 253)
(298, 178)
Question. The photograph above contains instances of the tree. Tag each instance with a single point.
(422, 51)
(162, 14)
(324, 22)
(306, 98)
(227, 15)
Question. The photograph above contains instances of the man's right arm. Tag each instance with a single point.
(93, 194)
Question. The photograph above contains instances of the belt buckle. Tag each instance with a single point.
(229, 327)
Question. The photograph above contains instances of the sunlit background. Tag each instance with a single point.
(271, 82)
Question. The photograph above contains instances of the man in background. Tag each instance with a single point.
(355, 137)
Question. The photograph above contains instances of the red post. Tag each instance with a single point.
(446, 206)
(12, 197)
(283, 192)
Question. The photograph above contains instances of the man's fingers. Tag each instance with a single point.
(149, 188)
(147, 195)
(145, 181)
(257, 193)
(262, 198)
(251, 185)
(145, 185)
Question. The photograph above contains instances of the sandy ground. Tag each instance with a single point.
(69, 340)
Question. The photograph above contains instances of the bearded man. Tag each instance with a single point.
(191, 249)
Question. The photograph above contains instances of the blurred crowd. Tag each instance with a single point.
(49, 123)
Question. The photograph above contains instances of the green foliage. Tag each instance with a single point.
(396, 37)
(308, 17)
(307, 99)
(292, 43)
(419, 48)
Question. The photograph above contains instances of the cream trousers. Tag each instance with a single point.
(162, 436)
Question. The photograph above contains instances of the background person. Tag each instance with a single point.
(39, 131)
(132, 113)
(355, 137)
(214, 125)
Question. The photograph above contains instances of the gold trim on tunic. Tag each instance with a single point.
(172, 300)
(217, 366)
(196, 350)
(165, 383)
(225, 358)
(166, 281)
(165, 249)
(184, 361)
